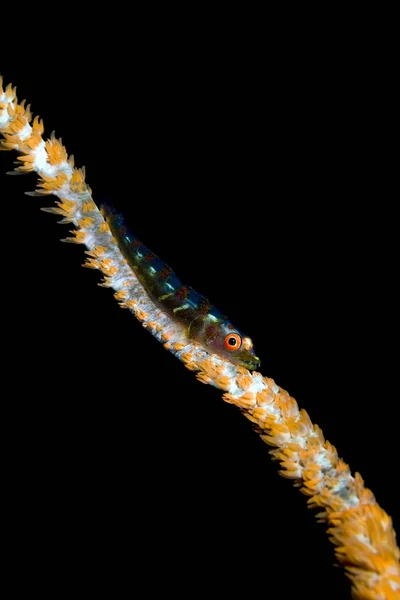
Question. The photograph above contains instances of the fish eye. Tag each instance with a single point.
(233, 341)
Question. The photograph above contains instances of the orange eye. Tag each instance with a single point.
(233, 341)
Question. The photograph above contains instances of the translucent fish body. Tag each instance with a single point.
(203, 322)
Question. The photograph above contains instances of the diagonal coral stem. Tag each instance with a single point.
(361, 531)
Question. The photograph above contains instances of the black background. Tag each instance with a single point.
(267, 185)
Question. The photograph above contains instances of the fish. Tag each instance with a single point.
(202, 321)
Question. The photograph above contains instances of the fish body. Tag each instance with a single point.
(204, 323)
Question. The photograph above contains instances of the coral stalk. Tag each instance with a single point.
(359, 528)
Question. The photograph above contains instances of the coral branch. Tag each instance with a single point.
(361, 531)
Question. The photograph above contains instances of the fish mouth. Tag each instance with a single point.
(252, 364)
